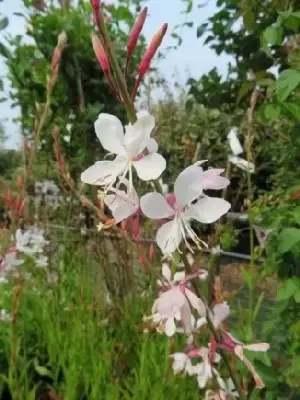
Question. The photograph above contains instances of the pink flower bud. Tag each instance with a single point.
(151, 51)
(100, 54)
(22, 207)
(136, 31)
(95, 4)
(151, 252)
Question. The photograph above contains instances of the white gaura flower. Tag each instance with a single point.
(189, 203)
(203, 370)
(129, 150)
(181, 362)
(121, 203)
(175, 303)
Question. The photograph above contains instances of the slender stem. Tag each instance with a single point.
(215, 334)
(248, 148)
(36, 139)
(111, 55)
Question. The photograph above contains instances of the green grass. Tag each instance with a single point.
(67, 340)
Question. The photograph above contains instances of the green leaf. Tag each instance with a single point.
(201, 30)
(288, 290)
(249, 20)
(297, 296)
(272, 112)
(273, 35)
(3, 23)
(4, 51)
(287, 238)
(293, 109)
(43, 371)
(288, 80)
(268, 374)
(247, 86)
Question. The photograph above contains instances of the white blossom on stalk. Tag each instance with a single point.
(189, 203)
(231, 344)
(204, 370)
(174, 304)
(181, 362)
(122, 204)
(129, 149)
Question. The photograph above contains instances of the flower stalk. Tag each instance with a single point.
(213, 331)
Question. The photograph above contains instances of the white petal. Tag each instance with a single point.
(150, 167)
(207, 210)
(179, 362)
(179, 276)
(221, 312)
(104, 172)
(241, 163)
(200, 322)
(185, 316)
(138, 134)
(168, 237)
(195, 302)
(109, 131)
(257, 347)
(155, 206)
(234, 142)
(210, 179)
(122, 205)
(170, 327)
(166, 272)
(152, 146)
(184, 187)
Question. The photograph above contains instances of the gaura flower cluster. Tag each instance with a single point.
(135, 149)
(177, 309)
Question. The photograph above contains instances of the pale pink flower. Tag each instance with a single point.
(229, 343)
(189, 202)
(10, 259)
(175, 303)
(122, 204)
(219, 313)
(204, 370)
(129, 150)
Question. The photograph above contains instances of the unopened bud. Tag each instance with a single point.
(151, 51)
(151, 252)
(22, 207)
(142, 260)
(95, 4)
(136, 31)
(100, 54)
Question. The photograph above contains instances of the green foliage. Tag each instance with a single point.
(70, 343)
(81, 92)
